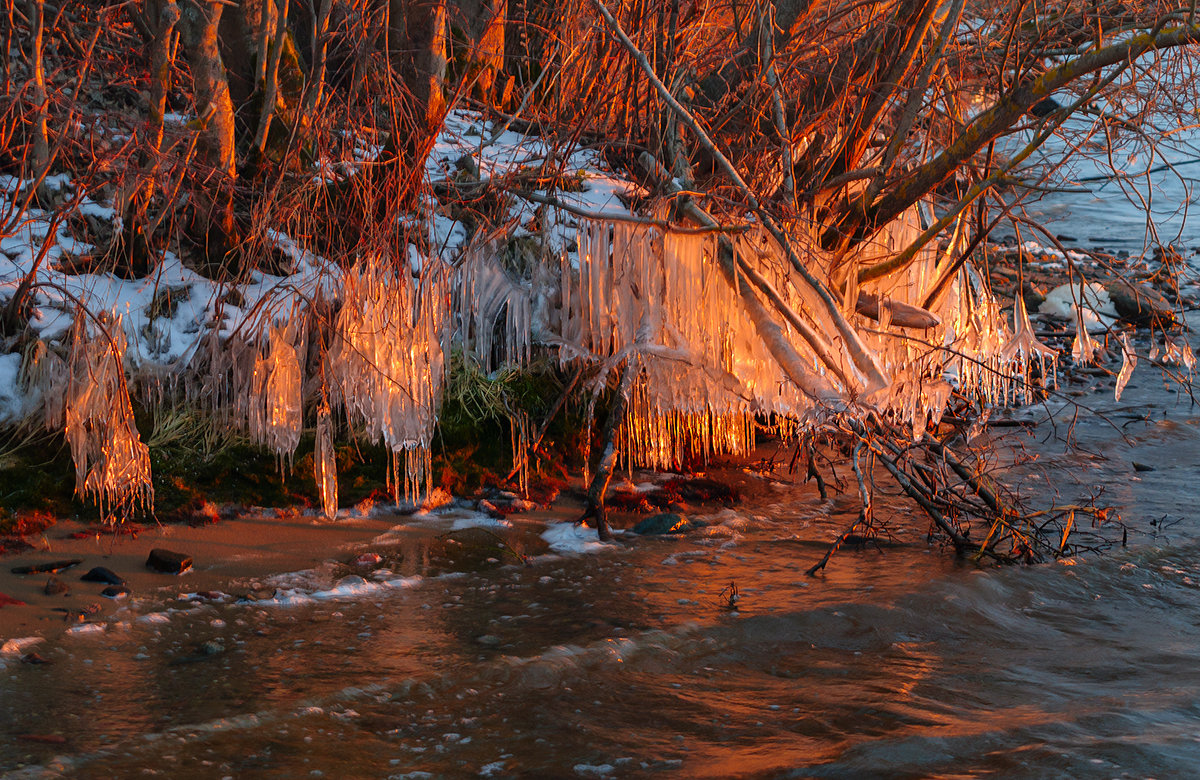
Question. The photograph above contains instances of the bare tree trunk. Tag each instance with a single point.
(245, 36)
(41, 144)
(417, 50)
(316, 82)
(213, 185)
(132, 245)
(271, 80)
(484, 22)
(8, 32)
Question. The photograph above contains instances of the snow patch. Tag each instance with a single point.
(1099, 313)
(20, 645)
(571, 538)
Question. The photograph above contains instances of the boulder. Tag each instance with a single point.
(115, 592)
(1140, 304)
(666, 523)
(101, 574)
(168, 562)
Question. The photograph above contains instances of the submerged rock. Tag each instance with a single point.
(115, 592)
(211, 647)
(168, 562)
(102, 574)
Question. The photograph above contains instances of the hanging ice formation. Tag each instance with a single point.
(1085, 348)
(325, 462)
(488, 300)
(707, 378)
(387, 360)
(275, 401)
(384, 367)
(1018, 355)
(1129, 361)
(112, 465)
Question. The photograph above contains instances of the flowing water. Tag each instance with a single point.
(632, 661)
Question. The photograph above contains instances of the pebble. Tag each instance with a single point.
(55, 587)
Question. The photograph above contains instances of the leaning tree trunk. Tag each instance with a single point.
(595, 509)
(214, 222)
(482, 56)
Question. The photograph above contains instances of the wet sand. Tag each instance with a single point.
(240, 549)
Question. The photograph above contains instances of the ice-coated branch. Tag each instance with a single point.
(857, 351)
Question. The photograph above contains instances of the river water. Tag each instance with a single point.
(628, 661)
(631, 660)
(1130, 196)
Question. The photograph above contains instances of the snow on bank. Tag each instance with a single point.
(166, 315)
(1093, 302)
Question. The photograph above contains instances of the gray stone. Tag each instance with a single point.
(47, 568)
(115, 592)
(1139, 304)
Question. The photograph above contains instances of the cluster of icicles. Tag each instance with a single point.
(378, 358)
(633, 294)
(706, 377)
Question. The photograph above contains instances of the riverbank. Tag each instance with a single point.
(231, 543)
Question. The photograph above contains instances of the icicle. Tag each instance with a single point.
(276, 416)
(1023, 347)
(1128, 364)
(325, 462)
(1084, 349)
(387, 361)
(1178, 352)
(482, 293)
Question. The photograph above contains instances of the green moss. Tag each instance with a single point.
(36, 475)
(196, 458)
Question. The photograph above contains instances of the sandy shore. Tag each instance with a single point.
(235, 550)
